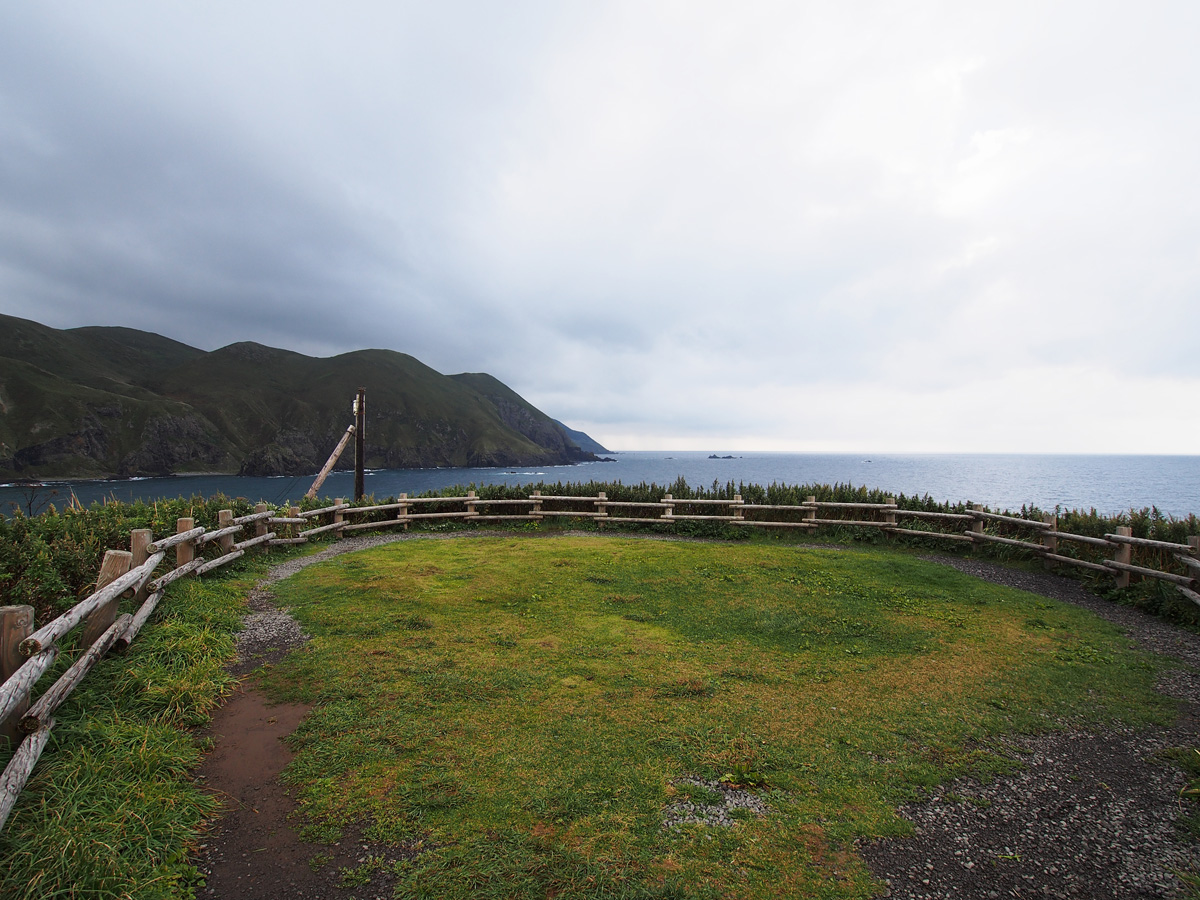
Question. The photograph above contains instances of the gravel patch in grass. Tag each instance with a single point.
(726, 799)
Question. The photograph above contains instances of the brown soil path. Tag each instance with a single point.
(253, 852)
(253, 847)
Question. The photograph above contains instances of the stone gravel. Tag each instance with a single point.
(718, 815)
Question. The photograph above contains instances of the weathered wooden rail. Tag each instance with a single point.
(26, 654)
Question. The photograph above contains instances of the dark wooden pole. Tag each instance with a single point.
(360, 437)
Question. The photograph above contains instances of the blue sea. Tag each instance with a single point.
(1109, 484)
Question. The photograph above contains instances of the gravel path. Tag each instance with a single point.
(1089, 815)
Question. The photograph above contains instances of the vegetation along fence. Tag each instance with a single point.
(27, 653)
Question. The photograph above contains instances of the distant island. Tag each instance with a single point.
(102, 402)
(714, 456)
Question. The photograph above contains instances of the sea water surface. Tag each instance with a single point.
(1109, 484)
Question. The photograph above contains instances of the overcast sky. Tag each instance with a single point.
(696, 225)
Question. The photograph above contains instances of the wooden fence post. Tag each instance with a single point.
(338, 518)
(1050, 537)
(116, 564)
(185, 552)
(669, 507)
(224, 520)
(601, 509)
(260, 526)
(16, 624)
(294, 513)
(1123, 554)
(471, 503)
(977, 524)
(402, 509)
(536, 510)
(139, 540)
(1194, 543)
(737, 507)
(810, 512)
(889, 517)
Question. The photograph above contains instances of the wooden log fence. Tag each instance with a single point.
(132, 574)
(27, 654)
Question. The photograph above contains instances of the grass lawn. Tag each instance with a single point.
(525, 708)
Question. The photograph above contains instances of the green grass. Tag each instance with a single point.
(522, 706)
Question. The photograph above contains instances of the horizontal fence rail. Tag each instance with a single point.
(27, 654)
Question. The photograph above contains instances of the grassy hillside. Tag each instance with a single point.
(584, 441)
(518, 414)
(116, 401)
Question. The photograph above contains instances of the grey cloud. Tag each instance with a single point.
(644, 217)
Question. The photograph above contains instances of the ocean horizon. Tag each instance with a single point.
(1108, 483)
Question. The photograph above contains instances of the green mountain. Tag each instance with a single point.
(99, 402)
(584, 441)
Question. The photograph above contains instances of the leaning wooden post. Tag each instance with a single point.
(260, 525)
(338, 518)
(1050, 537)
(329, 464)
(224, 520)
(139, 540)
(186, 551)
(116, 563)
(16, 624)
(1123, 554)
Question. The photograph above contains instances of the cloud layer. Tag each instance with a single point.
(771, 226)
